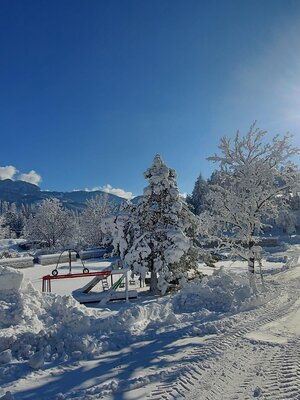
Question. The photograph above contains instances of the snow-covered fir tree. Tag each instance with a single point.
(51, 224)
(117, 226)
(197, 198)
(253, 174)
(14, 220)
(287, 220)
(156, 234)
(3, 228)
(91, 219)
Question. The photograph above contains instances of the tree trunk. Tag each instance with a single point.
(251, 274)
(261, 274)
(251, 262)
(153, 283)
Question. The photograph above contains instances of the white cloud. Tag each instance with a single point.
(32, 177)
(118, 192)
(8, 172)
(109, 189)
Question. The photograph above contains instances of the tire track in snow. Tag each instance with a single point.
(283, 381)
(238, 381)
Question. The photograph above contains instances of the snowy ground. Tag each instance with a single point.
(211, 341)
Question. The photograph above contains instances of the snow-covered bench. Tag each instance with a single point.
(48, 259)
(92, 253)
(18, 262)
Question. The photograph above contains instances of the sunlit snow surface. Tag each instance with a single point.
(209, 339)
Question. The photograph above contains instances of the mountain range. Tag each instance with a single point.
(21, 192)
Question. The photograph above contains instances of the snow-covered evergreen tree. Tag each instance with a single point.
(91, 220)
(3, 228)
(14, 220)
(252, 175)
(51, 224)
(197, 198)
(118, 225)
(155, 235)
(287, 220)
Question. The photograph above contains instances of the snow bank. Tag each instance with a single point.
(11, 305)
(11, 244)
(10, 279)
(39, 328)
(50, 324)
(221, 292)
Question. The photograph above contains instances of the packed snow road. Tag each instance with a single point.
(258, 358)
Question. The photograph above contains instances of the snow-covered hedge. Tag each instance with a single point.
(48, 259)
(277, 259)
(268, 242)
(92, 253)
(19, 262)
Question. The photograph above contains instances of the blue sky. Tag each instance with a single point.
(92, 90)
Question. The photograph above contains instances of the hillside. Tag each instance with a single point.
(21, 192)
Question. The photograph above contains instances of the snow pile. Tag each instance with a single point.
(10, 279)
(222, 292)
(11, 244)
(197, 303)
(11, 309)
(43, 328)
(136, 319)
(11, 306)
